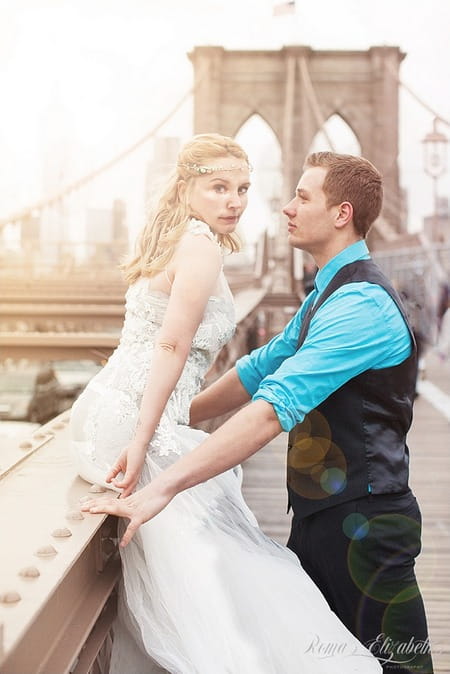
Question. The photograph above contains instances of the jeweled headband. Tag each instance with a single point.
(202, 170)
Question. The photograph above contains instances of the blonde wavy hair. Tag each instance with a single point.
(168, 220)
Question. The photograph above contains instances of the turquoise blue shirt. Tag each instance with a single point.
(358, 328)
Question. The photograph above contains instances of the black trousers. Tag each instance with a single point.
(361, 555)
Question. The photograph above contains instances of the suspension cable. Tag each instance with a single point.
(81, 182)
(416, 97)
(313, 101)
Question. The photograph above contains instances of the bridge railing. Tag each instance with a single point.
(59, 571)
(58, 568)
(77, 316)
(419, 273)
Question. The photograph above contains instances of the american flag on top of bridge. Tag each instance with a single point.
(283, 7)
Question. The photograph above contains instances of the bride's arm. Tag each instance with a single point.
(196, 266)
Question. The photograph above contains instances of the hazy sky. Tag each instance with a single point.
(92, 76)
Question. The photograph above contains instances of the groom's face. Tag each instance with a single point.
(310, 220)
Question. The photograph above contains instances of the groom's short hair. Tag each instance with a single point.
(353, 179)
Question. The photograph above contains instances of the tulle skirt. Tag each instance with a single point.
(206, 592)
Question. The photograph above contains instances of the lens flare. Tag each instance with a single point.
(355, 526)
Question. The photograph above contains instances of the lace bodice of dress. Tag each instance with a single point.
(128, 367)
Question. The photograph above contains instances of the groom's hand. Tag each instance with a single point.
(140, 507)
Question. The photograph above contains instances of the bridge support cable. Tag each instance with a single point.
(392, 201)
(416, 97)
(81, 182)
(423, 239)
(288, 123)
(313, 101)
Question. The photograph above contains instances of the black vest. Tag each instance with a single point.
(354, 442)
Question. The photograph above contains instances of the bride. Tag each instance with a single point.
(204, 590)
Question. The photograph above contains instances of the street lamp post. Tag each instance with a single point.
(435, 164)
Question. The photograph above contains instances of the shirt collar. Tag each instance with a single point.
(356, 251)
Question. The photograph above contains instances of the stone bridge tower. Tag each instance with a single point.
(295, 90)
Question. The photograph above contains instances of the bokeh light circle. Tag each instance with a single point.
(333, 480)
(356, 526)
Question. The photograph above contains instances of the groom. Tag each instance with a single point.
(340, 378)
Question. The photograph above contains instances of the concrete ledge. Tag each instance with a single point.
(47, 616)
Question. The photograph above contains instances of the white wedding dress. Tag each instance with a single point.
(204, 590)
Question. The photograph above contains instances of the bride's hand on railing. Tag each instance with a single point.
(129, 463)
(138, 508)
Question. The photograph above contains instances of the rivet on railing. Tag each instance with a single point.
(74, 515)
(46, 551)
(61, 533)
(10, 597)
(29, 572)
(97, 489)
(40, 436)
(58, 426)
(26, 444)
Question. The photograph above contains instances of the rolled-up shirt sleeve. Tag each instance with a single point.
(358, 328)
(260, 363)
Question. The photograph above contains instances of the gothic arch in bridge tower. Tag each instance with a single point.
(250, 118)
(264, 152)
(258, 127)
(337, 130)
(295, 89)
